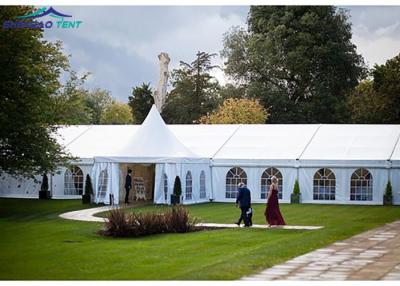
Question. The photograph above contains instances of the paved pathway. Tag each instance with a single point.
(88, 215)
(372, 255)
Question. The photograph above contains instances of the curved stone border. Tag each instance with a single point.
(88, 215)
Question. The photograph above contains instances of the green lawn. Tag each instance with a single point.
(36, 244)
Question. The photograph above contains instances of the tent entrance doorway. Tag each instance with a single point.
(143, 177)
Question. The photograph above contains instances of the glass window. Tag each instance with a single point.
(266, 182)
(188, 189)
(361, 185)
(165, 186)
(73, 181)
(103, 182)
(324, 185)
(233, 178)
(202, 185)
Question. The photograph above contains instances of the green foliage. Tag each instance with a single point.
(237, 111)
(141, 101)
(117, 113)
(194, 91)
(298, 60)
(177, 187)
(70, 102)
(296, 188)
(367, 106)
(97, 101)
(377, 100)
(44, 187)
(88, 186)
(30, 71)
(174, 220)
(388, 196)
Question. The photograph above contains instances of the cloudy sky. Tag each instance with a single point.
(119, 45)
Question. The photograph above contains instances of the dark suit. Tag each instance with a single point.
(244, 200)
(128, 186)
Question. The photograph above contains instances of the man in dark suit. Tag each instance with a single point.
(243, 200)
(128, 185)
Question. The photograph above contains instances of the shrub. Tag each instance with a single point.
(177, 187)
(388, 196)
(45, 183)
(295, 196)
(175, 220)
(88, 186)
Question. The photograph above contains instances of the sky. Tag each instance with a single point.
(119, 45)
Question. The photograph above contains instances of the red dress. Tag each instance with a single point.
(272, 212)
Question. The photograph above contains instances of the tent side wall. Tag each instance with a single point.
(11, 187)
(254, 174)
(166, 173)
(342, 185)
(395, 180)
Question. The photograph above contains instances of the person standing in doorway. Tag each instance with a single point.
(128, 185)
(272, 213)
(243, 200)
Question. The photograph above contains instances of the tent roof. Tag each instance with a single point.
(267, 142)
(154, 140)
(352, 142)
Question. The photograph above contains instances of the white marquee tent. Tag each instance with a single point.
(345, 164)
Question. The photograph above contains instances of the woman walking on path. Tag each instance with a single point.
(272, 212)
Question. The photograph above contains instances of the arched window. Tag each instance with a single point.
(188, 189)
(233, 178)
(324, 185)
(361, 185)
(202, 185)
(266, 182)
(73, 181)
(103, 182)
(165, 186)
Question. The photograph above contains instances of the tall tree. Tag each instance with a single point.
(194, 91)
(97, 100)
(30, 69)
(377, 100)
(117, 113)
(70, 105)
(298, 60)
(141, 101)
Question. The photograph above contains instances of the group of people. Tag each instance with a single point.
(272, 213)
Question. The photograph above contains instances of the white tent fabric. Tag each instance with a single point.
(261, 144)
(351, 145)
(296, 150)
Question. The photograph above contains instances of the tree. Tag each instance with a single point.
(70, 103)
(368, 106)
(97, 101)
(195, 91)
(298, 60)
(30, 69)
(377, 100)
(141, 101)
(237, 111)
(387, 84)
(117, 113)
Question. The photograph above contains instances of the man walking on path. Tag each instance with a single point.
(243, 200)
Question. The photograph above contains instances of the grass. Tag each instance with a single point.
(36, 244)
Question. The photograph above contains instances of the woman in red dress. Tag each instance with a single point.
(272, 212)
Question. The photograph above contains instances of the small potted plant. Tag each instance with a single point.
(295, 197)
(176, 195)
(388, 196)
(44, 193)
(87, 196)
